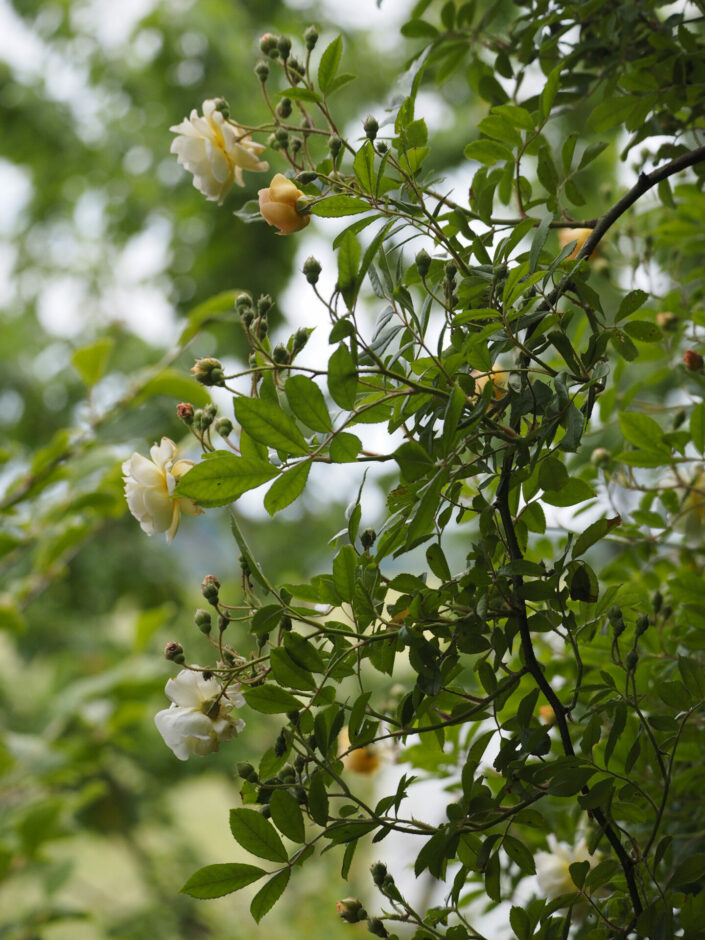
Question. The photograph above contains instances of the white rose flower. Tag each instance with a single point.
(553, 868)
(198, 718)
(149, 485)
(215, 150)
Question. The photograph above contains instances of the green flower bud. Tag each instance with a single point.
(453, 301)
(293, 718)
(376, 927)
(678, 418)
(382, 148)
(335, 145)
(299, 763)
(642, 624)
(657, 601)
(222, 105)
(351, 910)
(368, 538)
(262, 639)
(243, 302)
(246, 771)
(174, 652)
(312, 269)
(223, 622)
(667, 611)
(311, 38)
(224, 427)
(262, 71)
(295, 144)
(264, 304)
(308, 176)
(261, 327)
(284, 47)
(284, 108)
(296, 70)
(280, 746)
(202, 619)
(600, 457)
(371, 127)
(423, 263)
(208, 371)
(285, 623)
(451, 270)
(614, 614)
(632, 660)
(282, 137)
(268, 42)
(300, 340)
(379, 873)
(210, 586)
(280, 354)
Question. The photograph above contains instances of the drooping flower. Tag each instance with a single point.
(277, 205)
(553, 868)
(199, 716)
(149, 485)
(365, 760)
(215, 150)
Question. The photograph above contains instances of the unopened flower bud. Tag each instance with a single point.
(262, 639)
(657, 601)
(205, 419)
(280, 746)
(185, 412)
(202, 619)
(210, 586)
(351, 910)
(693, 360)
(296, 70)
(223, 622)
(268, 42)
(371, 127)
(667, 321)
(295, 144)
(174, 652)
(423, 263)
(284, 46)
(632, 660)
(450, 270)
(280, 354)
(335, 145)
(284, 108)
(614, 614)
(247, 317)
(208, 371)
(667, 611)
(243, 302)
(600, 457)
(264, 304)
(261, 327)
(262, 71)
(222, 105)
(379, 873)
(382, 148)
(678, 418)
(642, 624)
(300, 340)
(282, 137)
(311, 38)
(376, 927)
(246, 771)
(368, 538)
(312, 269)
(308, 176)
(285, 623)
(266, 811)
(224, 427)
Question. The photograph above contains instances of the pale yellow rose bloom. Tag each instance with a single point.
(553, 868)
(277, 205)
(216, 151)
(149, 485)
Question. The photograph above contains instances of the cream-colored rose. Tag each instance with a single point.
(198, 718)
(578, 235)
(553, 868)
(366, 759)
(149, 485)
(215, 150)
(277, 204)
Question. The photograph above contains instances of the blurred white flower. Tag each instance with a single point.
(553, 868)
(198, 718)
(215, 150)
(149, 485)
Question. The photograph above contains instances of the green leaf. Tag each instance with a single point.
(644, 331)
(91, 361)
(342, 377)
(318, 799)
(348, 262)
(550, 89)
(268, 424)
(641, 430)
(288, 673)
(286, 815)
(328, 66)
(538, 241)
(340, 81)
(689, 872)
(173, 384)
(610, 112)
(413, 461)
(269, 894)
(697, 426)
(633, 300)
(593, 534)
(335, 206)
(418, 29)
(518, 116)
(303, 652)
(222, 479)
(344, 572)
(497, 127)
(299, 94)
(287, 487)
(520, 923)
(208, 311)
(271, 700)
(574, 491)
(437, 561)
(214, 881)
(591, 153)
(487, 152)
(519, 854)
(307, 402)
(257, 835)
(364, 166)
(344, 448)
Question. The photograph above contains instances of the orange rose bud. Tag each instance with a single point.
(547, 715)
(277, 205)
(693, 360)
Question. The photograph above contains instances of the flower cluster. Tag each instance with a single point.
(149, 485)
(198, 718)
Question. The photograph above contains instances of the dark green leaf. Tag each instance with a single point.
(214, 881)
(344, 447)
(286, 815)
(287, 487)
(328, 66)
(221, 479)
(335, 206)
(271, 700)
(269, 894)
(268, 424)
(257, 835)
(307, 402)
(342, 377)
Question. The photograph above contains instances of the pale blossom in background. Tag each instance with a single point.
(553, 868)
(149, 485)
(199, 716)
(215, 150)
